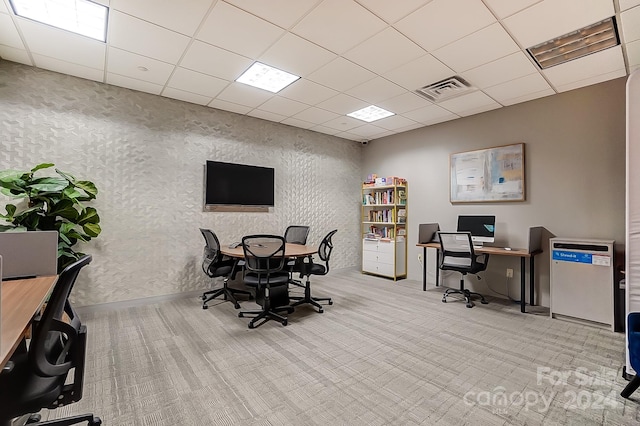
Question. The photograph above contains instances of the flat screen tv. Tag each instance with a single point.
(482, 228)
(230, 184)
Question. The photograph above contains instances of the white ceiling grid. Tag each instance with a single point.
(349, 53)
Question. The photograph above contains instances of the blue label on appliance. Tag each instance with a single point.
(572, 256)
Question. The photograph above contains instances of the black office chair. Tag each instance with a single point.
(295, 234)
(633, 331)
(457, 254)
(309, 268)
(264, 270)
(215, 265)
(38, 378)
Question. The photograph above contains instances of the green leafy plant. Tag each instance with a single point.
(51, 203)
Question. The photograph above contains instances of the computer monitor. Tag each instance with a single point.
(482, 228)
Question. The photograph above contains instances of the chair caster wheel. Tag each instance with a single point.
(444, 300)
(320, 311)
(240, 315)
(484, 302)
(96, 421)
(469, 305)
(205, 307)
(203, 297)
(330, 302)
(237, 306)
(251, 325)
(284, 323)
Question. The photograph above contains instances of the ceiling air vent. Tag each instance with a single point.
(445, 89)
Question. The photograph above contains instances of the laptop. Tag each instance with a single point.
(29, 254)
(427, 233)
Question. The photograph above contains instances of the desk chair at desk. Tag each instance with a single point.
(38, 377)
(457, 254)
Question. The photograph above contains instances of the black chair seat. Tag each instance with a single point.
(277, 279)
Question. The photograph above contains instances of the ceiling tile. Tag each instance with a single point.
(183, 16)
(3, 8)
(441, 22)
(214, 61)
(266, 115)
(376, 90)
(394, 122)
(628, 4)
(350, 136)
(238, 31)
(62, 45)
(630, 24)
(343, 123)
(137, 36)
(391, 11)
(386, 50)
(419, 73)
(324, 129)
(185, 96)
(139, 67)
(549, 19)
(633, 53)
(592, 80)
(68, 68)
(585, 68)
(504, 8)
(352, 25)
(308, 92)
(316, 115)
(15, 55)
(8, 33)
(296, 55)
(521, 89)
(408, 101)
(430, 114)
(479, 48)
(283, 106)
(341, 74)
(504, 69)
(229, 106)
(195, 82)
(132, 83)
(470, 104)
(242, 94)
(297, 123)
(367, 131)
(283, 13)
(342, 104)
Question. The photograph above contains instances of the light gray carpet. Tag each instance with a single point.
(385, 353)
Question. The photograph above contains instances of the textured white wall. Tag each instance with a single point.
(575, 174)
(146, 155)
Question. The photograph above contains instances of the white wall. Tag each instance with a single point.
(575, 174)
(146, 155)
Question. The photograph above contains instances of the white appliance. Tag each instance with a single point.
(582, 280)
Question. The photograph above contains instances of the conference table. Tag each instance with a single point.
(21, 301)
(523, 254)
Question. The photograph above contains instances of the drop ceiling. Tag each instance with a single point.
(349, 53)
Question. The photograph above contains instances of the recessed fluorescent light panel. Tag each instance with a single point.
(371, 113)
(78, 16)
(266, 77)
(585, 41)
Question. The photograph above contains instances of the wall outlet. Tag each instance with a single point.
(509, 273)
(420, 258)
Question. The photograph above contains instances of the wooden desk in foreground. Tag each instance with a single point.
(498, 251)
(290, 250)
(21, 301)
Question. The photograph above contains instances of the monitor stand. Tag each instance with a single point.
(476, 244)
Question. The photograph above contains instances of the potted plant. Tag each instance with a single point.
(51, 203)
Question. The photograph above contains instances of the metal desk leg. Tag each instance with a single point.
(424, 269)
(523, 290)
(532, 300)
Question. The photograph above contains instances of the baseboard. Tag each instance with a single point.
(109, 306)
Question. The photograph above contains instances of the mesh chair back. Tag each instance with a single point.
(296, 234)
(456, 249)
(211, 255)
(54, 336)
(263, 254)
(325, 248)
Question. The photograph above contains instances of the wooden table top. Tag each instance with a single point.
(501, 251)
(290, 250)
(21, 300)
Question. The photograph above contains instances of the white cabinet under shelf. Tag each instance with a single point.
(385, 258)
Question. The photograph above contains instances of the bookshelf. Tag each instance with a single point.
(384, 228)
